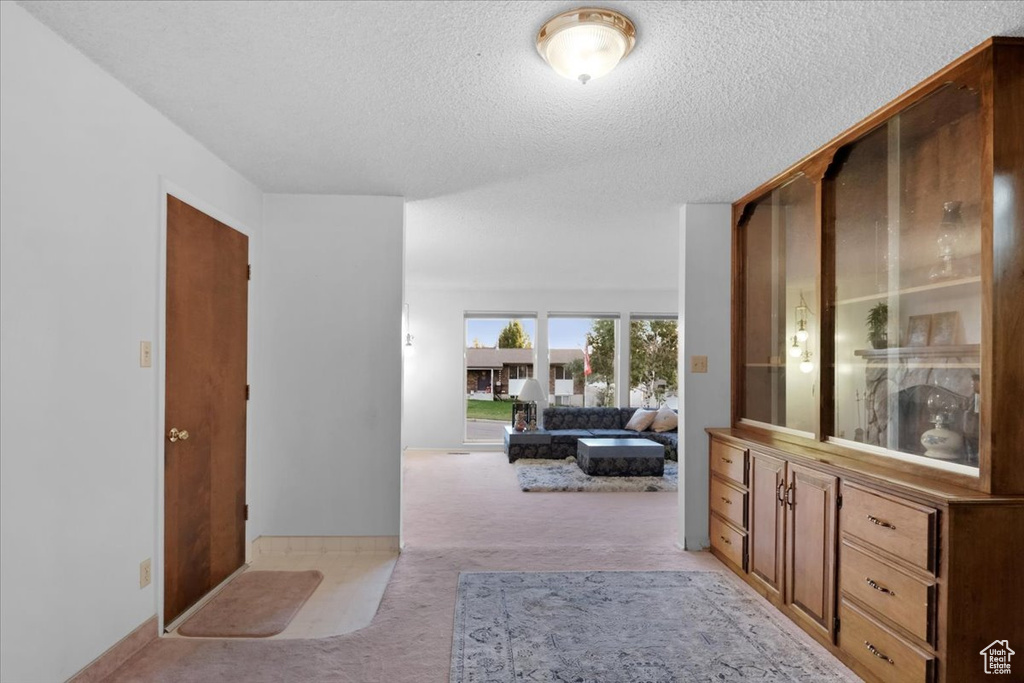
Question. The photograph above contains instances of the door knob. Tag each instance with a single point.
(175, 435)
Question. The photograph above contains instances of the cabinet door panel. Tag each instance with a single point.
(766, 520)
(811, 545)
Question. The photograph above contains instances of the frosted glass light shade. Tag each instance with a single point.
(794, 350)
(531, 391)
(585, 44)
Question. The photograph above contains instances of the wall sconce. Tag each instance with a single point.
(801, 337)
(795, 351)
(802, 311)
(806, 366)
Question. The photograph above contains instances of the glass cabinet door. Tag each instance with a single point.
(908, 283)
(780, 323)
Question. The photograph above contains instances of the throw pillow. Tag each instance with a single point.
(641, 420)
(666, 420)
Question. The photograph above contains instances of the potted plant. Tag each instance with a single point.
(878, 325)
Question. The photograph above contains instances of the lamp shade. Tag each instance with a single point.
(531, 391)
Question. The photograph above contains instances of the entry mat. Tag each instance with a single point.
(256, 604)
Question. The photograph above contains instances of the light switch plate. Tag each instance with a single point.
(698, 363)
(145, 354)
(145, 573)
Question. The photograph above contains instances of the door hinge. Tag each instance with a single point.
(247, 512)
(247, 392)
(248, 272)
(839, 501)
(835, 624)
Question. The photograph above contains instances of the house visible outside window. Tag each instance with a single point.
(499, 357)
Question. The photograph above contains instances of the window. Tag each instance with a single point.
(585, 348)
(653, 362)
(499, 359)
(520, 372)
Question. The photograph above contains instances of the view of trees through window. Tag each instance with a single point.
(653, 363)
(583, 350)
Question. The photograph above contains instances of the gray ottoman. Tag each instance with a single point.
(621, 457)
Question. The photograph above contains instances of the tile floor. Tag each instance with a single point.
(345, 601)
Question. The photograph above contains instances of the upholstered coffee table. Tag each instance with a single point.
(621, 457)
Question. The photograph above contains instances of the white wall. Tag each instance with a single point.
(435, 382)
(79, 228)
(332, 281)
(704, 316)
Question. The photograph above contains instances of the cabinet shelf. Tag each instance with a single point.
(931, 286)
(905, 352)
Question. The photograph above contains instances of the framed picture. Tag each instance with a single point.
(919, 330)
(943, 330)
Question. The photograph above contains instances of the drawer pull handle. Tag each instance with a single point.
(726, 460)
(726, 540)
(791, 496)
(877, 522)
(874, 650)
(726, 500)
(779, 493)
(879, 588)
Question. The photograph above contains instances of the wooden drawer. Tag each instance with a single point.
(728, 541)
(905, 529)
(879, 650)
(905, 600)
(729, 462)
(729, 502)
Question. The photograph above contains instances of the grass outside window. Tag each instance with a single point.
(489, 410)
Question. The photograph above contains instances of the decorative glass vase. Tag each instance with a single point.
(950, 235)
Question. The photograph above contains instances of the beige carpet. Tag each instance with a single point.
(254, 605)
(461, 513)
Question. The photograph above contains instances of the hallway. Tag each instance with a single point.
(461, 513)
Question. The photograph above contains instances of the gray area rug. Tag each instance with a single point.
(566, 475)
(612, 627)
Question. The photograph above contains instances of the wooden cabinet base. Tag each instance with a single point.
(900, 578)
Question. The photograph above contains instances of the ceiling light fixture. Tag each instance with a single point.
(586, 43)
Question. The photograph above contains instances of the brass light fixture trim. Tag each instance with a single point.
(585, 17)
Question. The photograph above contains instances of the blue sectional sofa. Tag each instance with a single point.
(566, 426)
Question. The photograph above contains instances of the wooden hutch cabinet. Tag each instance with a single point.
(871, 484)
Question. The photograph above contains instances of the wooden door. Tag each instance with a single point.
(204, 473)
(811, 547)
(767, 520)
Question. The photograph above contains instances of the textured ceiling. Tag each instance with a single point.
(448, 102)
